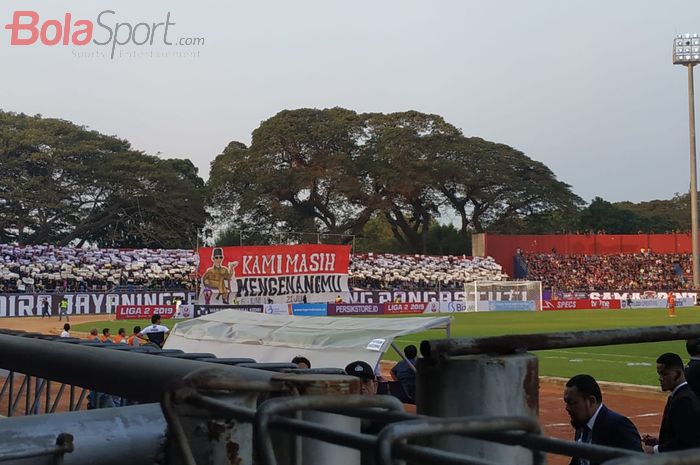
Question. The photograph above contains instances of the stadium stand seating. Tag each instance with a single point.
(386, 271)
(623, 272)
(42, 268)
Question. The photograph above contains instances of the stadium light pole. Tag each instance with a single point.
(686, 52)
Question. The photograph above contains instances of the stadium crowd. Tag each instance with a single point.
(387, 271)
(42, 268)
(625, 272)
(47, 268)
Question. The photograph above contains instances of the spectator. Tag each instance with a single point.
(43, 268)
(45, 308)
(134, 340)
(66, 330)
(301, 362)
(594, 422)
(121, 336)
(156, 332)
(368, 383)
(405, 371)
(63, 309)
(620, 272)
(93, 335)
(105, 336)
(387, 271)
(680, 428)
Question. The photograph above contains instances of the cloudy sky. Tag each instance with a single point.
(587, 87)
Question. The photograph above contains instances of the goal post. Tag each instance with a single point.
(481, 296)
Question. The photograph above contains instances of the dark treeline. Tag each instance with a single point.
(391, 181)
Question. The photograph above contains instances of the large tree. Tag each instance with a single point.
(493, 187)
(64, 184)
(331, 171)
(301, 173)
(403, 152)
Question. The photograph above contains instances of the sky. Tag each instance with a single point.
(586, 87)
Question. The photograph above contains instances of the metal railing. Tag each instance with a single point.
(220, 413)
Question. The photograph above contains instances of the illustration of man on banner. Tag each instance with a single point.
(219, 277)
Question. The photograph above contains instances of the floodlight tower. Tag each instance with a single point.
(686, 52)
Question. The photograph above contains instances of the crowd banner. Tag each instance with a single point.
(86, 303)
(277, 274)
(309, 309)
(144, 312)
(634, 295)
(277, 309)
(512, 305)
(355, 309)
(200, 310)
(453, 306)
(411, 307)
(380, 297)
(581, 304)
(184, 311)
(657, 303)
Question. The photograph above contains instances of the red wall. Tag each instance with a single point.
(502, 248)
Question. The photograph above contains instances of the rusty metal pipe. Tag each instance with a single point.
(423, 427)
(135, 376)
(512, 343)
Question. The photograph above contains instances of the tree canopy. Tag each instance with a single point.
(332, 171)
(405, 182)
(65, 184)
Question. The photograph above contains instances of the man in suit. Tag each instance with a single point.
(594, 422)
(680, 428)
(692, 370)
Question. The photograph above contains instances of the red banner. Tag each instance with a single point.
(274, 274)
(144, 312)
(580, 304)
(278, 260)
(411, 307)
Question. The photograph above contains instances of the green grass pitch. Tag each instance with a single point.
(629, 363)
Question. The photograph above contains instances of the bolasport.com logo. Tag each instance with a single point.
(109, 35)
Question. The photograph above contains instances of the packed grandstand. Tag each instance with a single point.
(40, 268)
(43, 268)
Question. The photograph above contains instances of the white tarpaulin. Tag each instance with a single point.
(326, 341)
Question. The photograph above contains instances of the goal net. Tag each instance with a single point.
(482, 296)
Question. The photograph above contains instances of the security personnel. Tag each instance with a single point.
(63, 309)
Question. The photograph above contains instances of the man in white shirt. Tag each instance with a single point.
(66, 329)
(156, 332)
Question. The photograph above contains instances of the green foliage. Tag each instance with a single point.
(662, 215)
(62, 183)
(656, 216)
(334, 171)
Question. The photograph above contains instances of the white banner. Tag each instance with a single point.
(657, 303)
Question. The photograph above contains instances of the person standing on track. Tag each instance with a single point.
(155, 332)
(671, 304)
(680, 428)
(45, 308)
(63, 309)
(594, 422)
